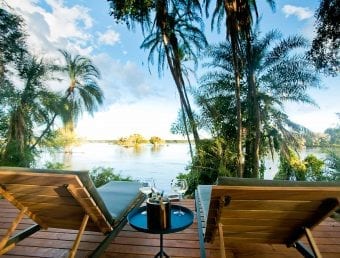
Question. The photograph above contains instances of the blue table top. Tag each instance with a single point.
(178, 223)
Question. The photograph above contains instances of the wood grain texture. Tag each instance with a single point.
(268, 214)
(133, 244)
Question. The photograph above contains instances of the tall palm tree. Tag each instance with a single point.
(83, 91)
(238, 23)
(31, 107)
(172, 36)
(282, 75)
(12, 41)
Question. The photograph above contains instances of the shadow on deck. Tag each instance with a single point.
(130, 243)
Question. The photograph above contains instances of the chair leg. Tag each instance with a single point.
(312, 243)
(79, 235)
(222, 248)
(9, 232)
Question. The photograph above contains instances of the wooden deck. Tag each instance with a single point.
(130, 243)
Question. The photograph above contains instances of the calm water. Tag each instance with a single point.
(163, 163)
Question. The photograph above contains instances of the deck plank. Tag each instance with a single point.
(133, 244)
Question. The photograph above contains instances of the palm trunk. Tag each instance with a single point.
(240, 158)
(254, 109)
(186, 131)
(230, 9)
(174, 63)
(184, 101)
(48, 127)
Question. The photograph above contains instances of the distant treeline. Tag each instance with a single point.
(117, 141)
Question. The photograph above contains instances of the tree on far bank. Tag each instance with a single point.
(132, 141)
(155, 140)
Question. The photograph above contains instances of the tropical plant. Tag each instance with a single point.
(83, 91)
(334, 133)
(291, 167)
(282, 75)
(238, 23)
(333, 162)
(309, 169)
(172, 37)
(101, 175)
(12, 41)
(32, 106)
(326, 44)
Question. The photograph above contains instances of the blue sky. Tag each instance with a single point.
(136, 99)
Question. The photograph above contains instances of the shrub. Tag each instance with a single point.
(100, 176)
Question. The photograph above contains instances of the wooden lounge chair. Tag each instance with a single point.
(67, 200)
(242, 211)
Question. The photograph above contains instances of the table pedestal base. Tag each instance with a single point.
(161, 252)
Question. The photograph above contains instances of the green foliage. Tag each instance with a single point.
(309, 169)
(291, 167)
(55, 165)
(281, 76)
(192, 179)
(62, 138)
(326, 44)
(12, 40)
(214, 158)
(28, 108)
(333, 163)
(156, 140)
(132, 140)
(334, 135)
(101, 176)
(315, 168)
(131, 11)
(32, 106)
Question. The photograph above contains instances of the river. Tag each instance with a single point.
(162, 163)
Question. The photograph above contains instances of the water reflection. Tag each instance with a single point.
(162, 162)
(156, 148)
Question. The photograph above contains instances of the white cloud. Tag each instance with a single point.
(58, 26)
(110, 37)
(145, 116)
(125, 80)
(301, 13)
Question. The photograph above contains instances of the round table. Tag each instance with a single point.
(178, 223)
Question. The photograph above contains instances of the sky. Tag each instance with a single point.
(137, 99)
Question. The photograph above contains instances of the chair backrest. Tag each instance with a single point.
(55, 198)
(267, 211)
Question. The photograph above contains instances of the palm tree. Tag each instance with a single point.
(282, 75)
(238, 25)
(12, 41)
(172, 36)
(30, 108)
(83, 92)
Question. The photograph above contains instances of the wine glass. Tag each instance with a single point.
(180, 186)
(147, 185)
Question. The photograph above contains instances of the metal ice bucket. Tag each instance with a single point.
(158, 213)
